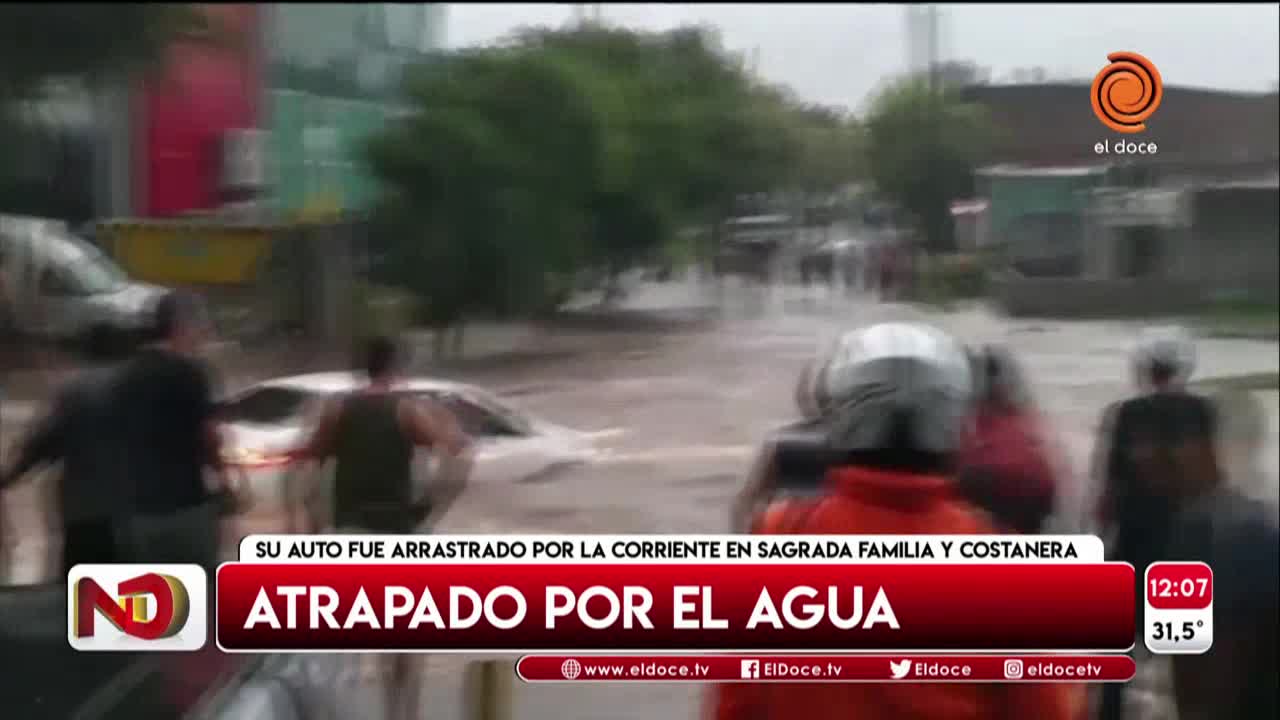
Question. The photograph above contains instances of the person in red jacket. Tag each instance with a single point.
(1006, 466)
(899, 396)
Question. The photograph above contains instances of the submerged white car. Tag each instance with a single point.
(262, 423)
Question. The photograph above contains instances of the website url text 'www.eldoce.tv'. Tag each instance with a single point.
(826, 668)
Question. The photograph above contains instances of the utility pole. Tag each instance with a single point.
(932, 225)
(933, 61)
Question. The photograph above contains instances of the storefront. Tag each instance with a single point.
(333, 80)
(188, 119)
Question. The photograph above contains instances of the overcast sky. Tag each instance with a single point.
(838, 53)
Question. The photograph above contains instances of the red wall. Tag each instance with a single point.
(182, 113)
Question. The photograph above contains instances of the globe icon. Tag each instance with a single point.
(570, 669)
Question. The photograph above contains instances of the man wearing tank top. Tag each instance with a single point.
(372, 435)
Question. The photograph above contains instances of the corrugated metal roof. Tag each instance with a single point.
(1027, 171)
(1271, 184)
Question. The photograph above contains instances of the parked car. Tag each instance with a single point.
(59, 286)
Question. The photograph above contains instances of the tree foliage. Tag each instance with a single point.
(922, 147)
(523, 165)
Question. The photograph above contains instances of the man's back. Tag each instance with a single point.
(373, 484)
(1161, 448)
(166, 403)
(875, 502)
(91, 477)
(1238, 538)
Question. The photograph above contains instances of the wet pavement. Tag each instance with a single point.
(680, 412)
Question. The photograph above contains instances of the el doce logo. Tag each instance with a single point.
(1127, 92)
(136, 607)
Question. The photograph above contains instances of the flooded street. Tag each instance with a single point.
(676, 416)
(683, 413)
(679, 414)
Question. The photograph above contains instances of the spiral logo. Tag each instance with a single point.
(1127, 92)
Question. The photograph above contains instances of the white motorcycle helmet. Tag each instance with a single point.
(1171, 347)
(897, 388)
(811, 392)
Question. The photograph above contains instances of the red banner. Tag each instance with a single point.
(686, 607)
(825, 668)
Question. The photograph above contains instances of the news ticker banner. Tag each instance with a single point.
(825, 668)
(1179, 608)
(713, 593)
(670, 549)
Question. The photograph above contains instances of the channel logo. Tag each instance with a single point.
(1126, 92)
(899, 669)
(137, 608)
(1012, 669)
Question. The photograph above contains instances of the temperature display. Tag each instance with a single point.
(1179, 599)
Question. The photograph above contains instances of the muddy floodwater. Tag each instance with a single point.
(675, 415)
(681, 414)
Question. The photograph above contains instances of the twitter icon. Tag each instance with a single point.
(899, 669)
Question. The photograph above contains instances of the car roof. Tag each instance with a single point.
(336, 382)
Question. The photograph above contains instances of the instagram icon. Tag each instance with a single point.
(1013, 669)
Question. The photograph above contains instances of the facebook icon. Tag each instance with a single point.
(751, 669)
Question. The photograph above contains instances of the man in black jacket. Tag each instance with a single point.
(1156, 451)
(1235, 532)
(78, 432)
(169, 438)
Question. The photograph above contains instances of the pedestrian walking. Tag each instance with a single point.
(372, 436)
(80, 432)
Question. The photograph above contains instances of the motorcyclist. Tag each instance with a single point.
(898, 402)
(1155, 450)
(1006, 464)
(762, 482)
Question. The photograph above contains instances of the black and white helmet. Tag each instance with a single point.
(811, 389)
(1171, 347)
(897, 386)
(997, 374)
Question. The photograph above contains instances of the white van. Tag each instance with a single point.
(57, 286)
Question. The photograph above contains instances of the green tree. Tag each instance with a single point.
(564, 151)
(831, 150)
(690, 131)
(922, 146)
(488, 182)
